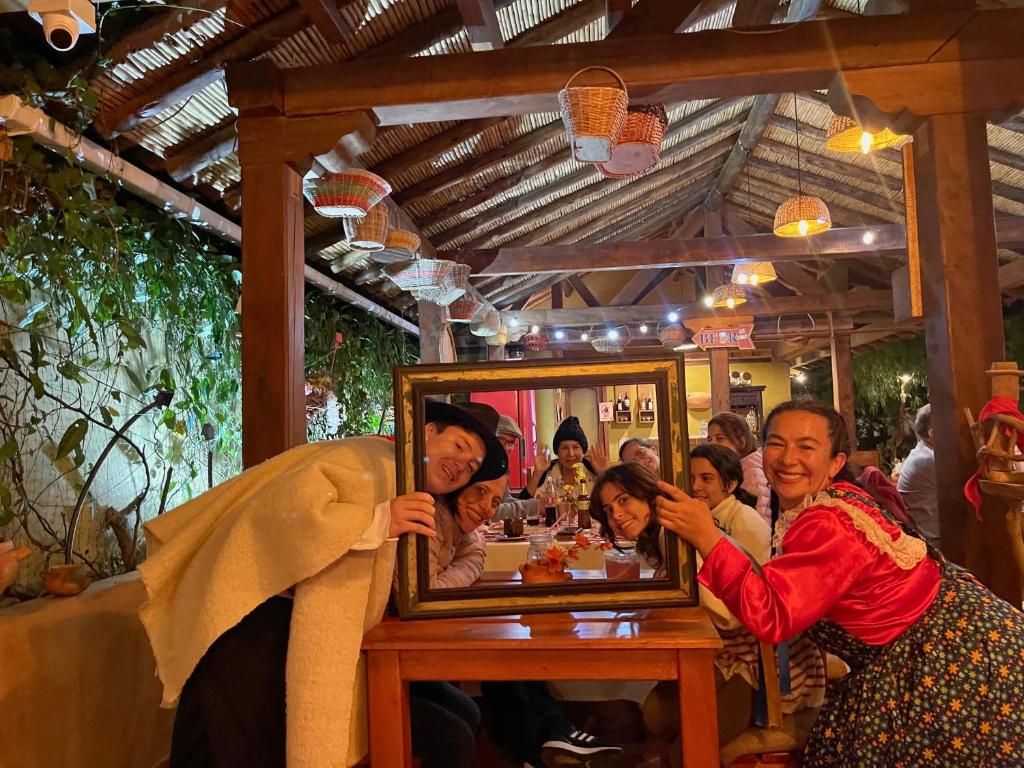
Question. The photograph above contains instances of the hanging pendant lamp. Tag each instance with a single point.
(802, 215)
(755, 273)
(728, 296)
(844, 135)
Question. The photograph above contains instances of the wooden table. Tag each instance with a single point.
(658, 644)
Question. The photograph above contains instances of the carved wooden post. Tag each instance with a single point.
(274, 151)
(963, 309)
(842, 383)
(718, 359)
(432, 328)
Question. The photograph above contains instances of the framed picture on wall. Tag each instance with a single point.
(605, 411)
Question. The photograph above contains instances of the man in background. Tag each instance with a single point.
(917, 479)
(509, 435)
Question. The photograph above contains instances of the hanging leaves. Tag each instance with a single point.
(72, 437)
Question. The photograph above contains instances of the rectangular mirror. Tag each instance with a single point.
(493, 539)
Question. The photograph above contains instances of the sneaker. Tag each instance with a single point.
(579, 748)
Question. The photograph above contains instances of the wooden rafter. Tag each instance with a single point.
(945, 46)
(649, 17)
(327, 18)
(850, 302)
(481, 21)
(585, 293)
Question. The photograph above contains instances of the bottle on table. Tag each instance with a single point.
(583, 506)
(548, 496)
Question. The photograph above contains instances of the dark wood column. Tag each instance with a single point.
(842, 383)
(718, 359)
(432, 328)
(273, 398)
(963, 316)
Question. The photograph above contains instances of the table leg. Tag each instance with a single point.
(390, 733)
(698, 711)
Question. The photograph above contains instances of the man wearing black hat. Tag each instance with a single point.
(302, 529)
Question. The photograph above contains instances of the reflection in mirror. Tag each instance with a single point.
(539, 536)
(536, 525)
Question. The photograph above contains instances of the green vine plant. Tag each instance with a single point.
(349, 355)
(105, 300)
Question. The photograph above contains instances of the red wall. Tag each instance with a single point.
(521, 406)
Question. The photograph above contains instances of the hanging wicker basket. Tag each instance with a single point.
(486, 322)
(370, 232)
(671, 335)
(349, 194)
(463, 308)
(612, 341)
(499, 339)
(403, 240)
(639, 146)
(594, 116)
(420, 276)
(454, 284)
(536, 342)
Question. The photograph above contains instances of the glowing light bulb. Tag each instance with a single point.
(559, 335)
(534, 329)
(753, 279)
(708, 301)
(730, 303)
(584, 336)
(643, 329)
(673, 316)
(868, 237)
(741, 278)
(865, 142)
(612, 335)
(801, 377)
(905, 377)
(802, 228)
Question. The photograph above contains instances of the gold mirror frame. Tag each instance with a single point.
(412, 384)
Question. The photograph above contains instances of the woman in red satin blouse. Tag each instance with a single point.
(937, 660)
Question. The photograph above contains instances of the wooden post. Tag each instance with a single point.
(842, 383)
(432, 329)
(718, 359)
(963, 314)
(273, 396)
(496, 352)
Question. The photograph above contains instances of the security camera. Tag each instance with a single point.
(63, 20)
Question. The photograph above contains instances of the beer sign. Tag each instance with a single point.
(738, 337)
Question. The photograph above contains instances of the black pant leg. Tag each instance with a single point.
(444, 725)
(239, 690)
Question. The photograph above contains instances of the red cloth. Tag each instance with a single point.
(1008, 406)
(828, 570)
(881, 487)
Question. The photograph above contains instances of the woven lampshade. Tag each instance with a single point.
(757, 273)
(728, 296)
(808, 209)
(844, 135)
(671, 335)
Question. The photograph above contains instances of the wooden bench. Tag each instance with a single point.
(658, 644)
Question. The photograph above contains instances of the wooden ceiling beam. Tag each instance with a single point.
(705, 64)
(891, 184)
(849, 302)
(651, 17)
(585, 293)
(760, 113)
(434, 146)
(327, 18)
(185, 160)
(754, 13)
(481, 22)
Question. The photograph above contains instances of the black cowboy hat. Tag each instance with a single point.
(480, 419)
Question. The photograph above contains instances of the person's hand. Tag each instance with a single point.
(542, 459)
(687, 517)
(412, 513)
(598, 458)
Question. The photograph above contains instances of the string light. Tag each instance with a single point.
(868, 237)
(643, 329)
(559, 335)
(673, 317)
(584, 336)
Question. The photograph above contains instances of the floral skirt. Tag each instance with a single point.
(947, 692)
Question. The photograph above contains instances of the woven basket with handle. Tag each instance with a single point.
(420, 276)
(639, 146)
(463, 308)
(452, 287)
(349, 194)
(594, 116)
(370, 232)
